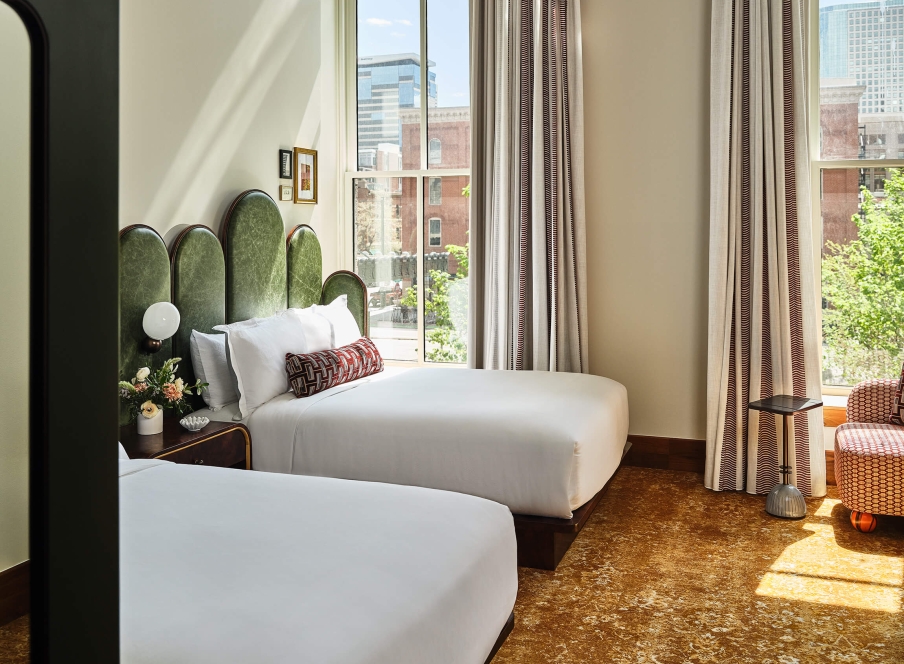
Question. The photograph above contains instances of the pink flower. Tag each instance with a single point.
(171, 392)
(140, 387)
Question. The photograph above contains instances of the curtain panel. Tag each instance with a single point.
(528, 267)
(763, 336)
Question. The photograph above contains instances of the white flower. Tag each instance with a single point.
(142, 374)
(180, 384)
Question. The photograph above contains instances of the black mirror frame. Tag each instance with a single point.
(73, 492)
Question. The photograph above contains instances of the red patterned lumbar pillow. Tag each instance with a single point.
(310, 373)
(897, 409)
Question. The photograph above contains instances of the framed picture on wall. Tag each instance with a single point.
(285, 164)
(305, 175)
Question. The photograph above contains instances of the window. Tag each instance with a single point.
(436, 151)
(436, 232)
(436, 191)
(408, 141)
(861, 205)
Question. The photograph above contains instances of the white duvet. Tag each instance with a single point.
(540, 443)
(226, 566)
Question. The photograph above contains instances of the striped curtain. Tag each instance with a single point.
(763, 337)
(527, 268)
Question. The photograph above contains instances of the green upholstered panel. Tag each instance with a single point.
(349, 283)
(254, 246)
(305, 267)
(199, 291)
(144, 278)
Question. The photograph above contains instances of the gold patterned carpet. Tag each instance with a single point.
(668, 572)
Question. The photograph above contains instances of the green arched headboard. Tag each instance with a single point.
(144, 278)
(199, 289)
(251, 270)
(305, 267)
(255, 253)
(348, 283)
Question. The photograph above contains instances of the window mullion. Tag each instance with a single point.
(421, 274)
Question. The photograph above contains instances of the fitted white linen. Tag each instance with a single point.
(541, 443)
(227, 566)
(231, 413)
(208, 359)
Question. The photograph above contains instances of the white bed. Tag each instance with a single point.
(220, 565)
(541, 443)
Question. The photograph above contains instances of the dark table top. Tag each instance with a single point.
(785, 404)
(173, 437)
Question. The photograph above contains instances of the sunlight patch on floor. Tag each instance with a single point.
(817, 569)
(850, 594)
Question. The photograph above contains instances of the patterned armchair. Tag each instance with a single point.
(869, 455)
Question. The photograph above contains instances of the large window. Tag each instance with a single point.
(408, 205)
(859, 168)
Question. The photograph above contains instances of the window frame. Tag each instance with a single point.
(818, 165)
(347, 93)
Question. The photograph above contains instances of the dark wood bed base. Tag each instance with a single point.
(503, 635)
(543, 541)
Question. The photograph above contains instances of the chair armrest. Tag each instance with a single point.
(871, 401)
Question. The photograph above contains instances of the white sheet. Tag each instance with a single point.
(229, 566)
(230, 412)
(541, 443)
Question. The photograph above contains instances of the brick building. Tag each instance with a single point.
(846, 133)
(445, 208)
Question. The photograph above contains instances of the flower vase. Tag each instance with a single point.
(148, 426)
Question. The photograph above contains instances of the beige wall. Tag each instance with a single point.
(646, 106)
(210, 91)
(14, 134)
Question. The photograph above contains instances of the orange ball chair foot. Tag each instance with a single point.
(863, 521)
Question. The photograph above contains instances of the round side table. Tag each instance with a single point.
(785, 500)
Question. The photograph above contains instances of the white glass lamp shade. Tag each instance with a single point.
(161, 320)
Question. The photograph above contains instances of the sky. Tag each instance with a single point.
(392, 26)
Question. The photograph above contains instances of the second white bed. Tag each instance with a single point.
(229, 566)
(540, 443)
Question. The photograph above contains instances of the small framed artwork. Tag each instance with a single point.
(285, 192)
(285, 164)
(305, 175)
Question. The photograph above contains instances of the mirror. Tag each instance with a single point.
(15, 143)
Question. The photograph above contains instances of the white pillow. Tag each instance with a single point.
(122, 452)
(345, 329)
(257, 356)
(317, 328)
(208, 357)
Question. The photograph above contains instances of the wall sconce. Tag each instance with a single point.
(160, 322)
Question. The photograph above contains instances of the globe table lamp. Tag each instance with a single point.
(160, 322)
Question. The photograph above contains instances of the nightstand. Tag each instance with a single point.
(223, 444)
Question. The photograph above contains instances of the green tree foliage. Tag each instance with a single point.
(863, 288)
(446, 296)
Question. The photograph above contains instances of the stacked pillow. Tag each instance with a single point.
(247, 363)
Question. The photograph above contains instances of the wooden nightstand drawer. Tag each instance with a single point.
(223, 444)
(225, 450)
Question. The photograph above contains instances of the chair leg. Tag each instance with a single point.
(863, 521)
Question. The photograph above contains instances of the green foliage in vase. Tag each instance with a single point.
(153, 390)
(863, 289)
